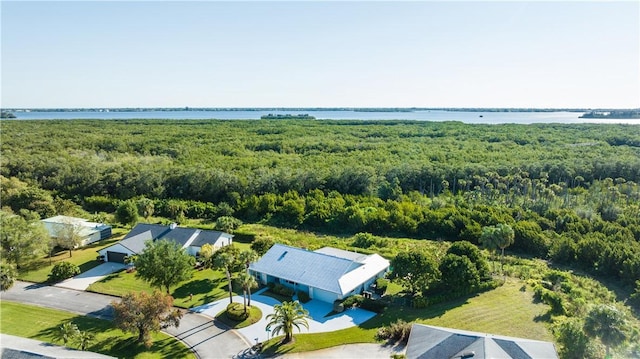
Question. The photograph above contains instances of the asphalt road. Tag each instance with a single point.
(206, 338)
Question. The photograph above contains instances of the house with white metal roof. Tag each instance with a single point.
(89, 232)
(327, 274)
(429, 342)
(191, 239)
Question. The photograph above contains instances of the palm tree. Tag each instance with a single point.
(67, 332)
(225, 261)
(494, 237)
(247, 257)
(504, 238)
(489, 240)
(608, 323)
(247, 281)
(286, 316)
(84, 339)
(7, 276)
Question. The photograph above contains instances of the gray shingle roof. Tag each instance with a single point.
(318, 269)
(136, 238)
(208, 237)
(136, 243)
(428, 342)
(157, 230)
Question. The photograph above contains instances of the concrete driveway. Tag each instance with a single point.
(83, 280)
(318, 311)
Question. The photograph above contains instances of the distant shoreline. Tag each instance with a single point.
(292, 109)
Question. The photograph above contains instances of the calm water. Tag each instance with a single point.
(423, 115)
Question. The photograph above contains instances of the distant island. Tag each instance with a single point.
(612, 114)
(303, 116)
(6, 114)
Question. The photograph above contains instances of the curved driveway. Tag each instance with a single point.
(200, 333)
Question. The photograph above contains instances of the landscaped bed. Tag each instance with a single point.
(234, 316)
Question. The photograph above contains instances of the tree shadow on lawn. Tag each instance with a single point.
(201, 289)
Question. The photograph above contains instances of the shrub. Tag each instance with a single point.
(63, 270)
(235, 312)
(282, 290)
(303, 297)
(373, 305)
(381, 285)
(353, 301)
(398, 331)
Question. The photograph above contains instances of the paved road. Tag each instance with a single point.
(200, 333)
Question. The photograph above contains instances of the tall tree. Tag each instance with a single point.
(144, 313)
(504, 238)
(127, 213)
(246, 281)
(164, 263)
(225, 261)
(415, 270)
(285, 316)
(607, 323)
(247, 257)
(262, 244)
(21, 241)
(68, 236)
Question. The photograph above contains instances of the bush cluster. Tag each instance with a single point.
(397, 331)
(303, 297)
(357, 300)
(280, 289)
(235, 312)
(63, 270)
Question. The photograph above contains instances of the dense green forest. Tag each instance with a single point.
(570, 192)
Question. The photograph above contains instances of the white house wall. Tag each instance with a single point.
(94, 237)
(118, 248)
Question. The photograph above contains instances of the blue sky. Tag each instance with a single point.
(320, 54)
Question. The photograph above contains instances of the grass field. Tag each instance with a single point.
(505, 310)
(40, 323)
(84, 257)
(206, 286)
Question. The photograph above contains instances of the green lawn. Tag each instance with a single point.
(505, 310)
(206, 286)
(40, 323)
(85, 258)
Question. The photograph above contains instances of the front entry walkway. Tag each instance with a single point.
(83, 280)
(318, 310)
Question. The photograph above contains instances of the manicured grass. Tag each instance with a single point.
(85, 258)
(41, 324)
(206, 286)
(255, 314)
(505, 310)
